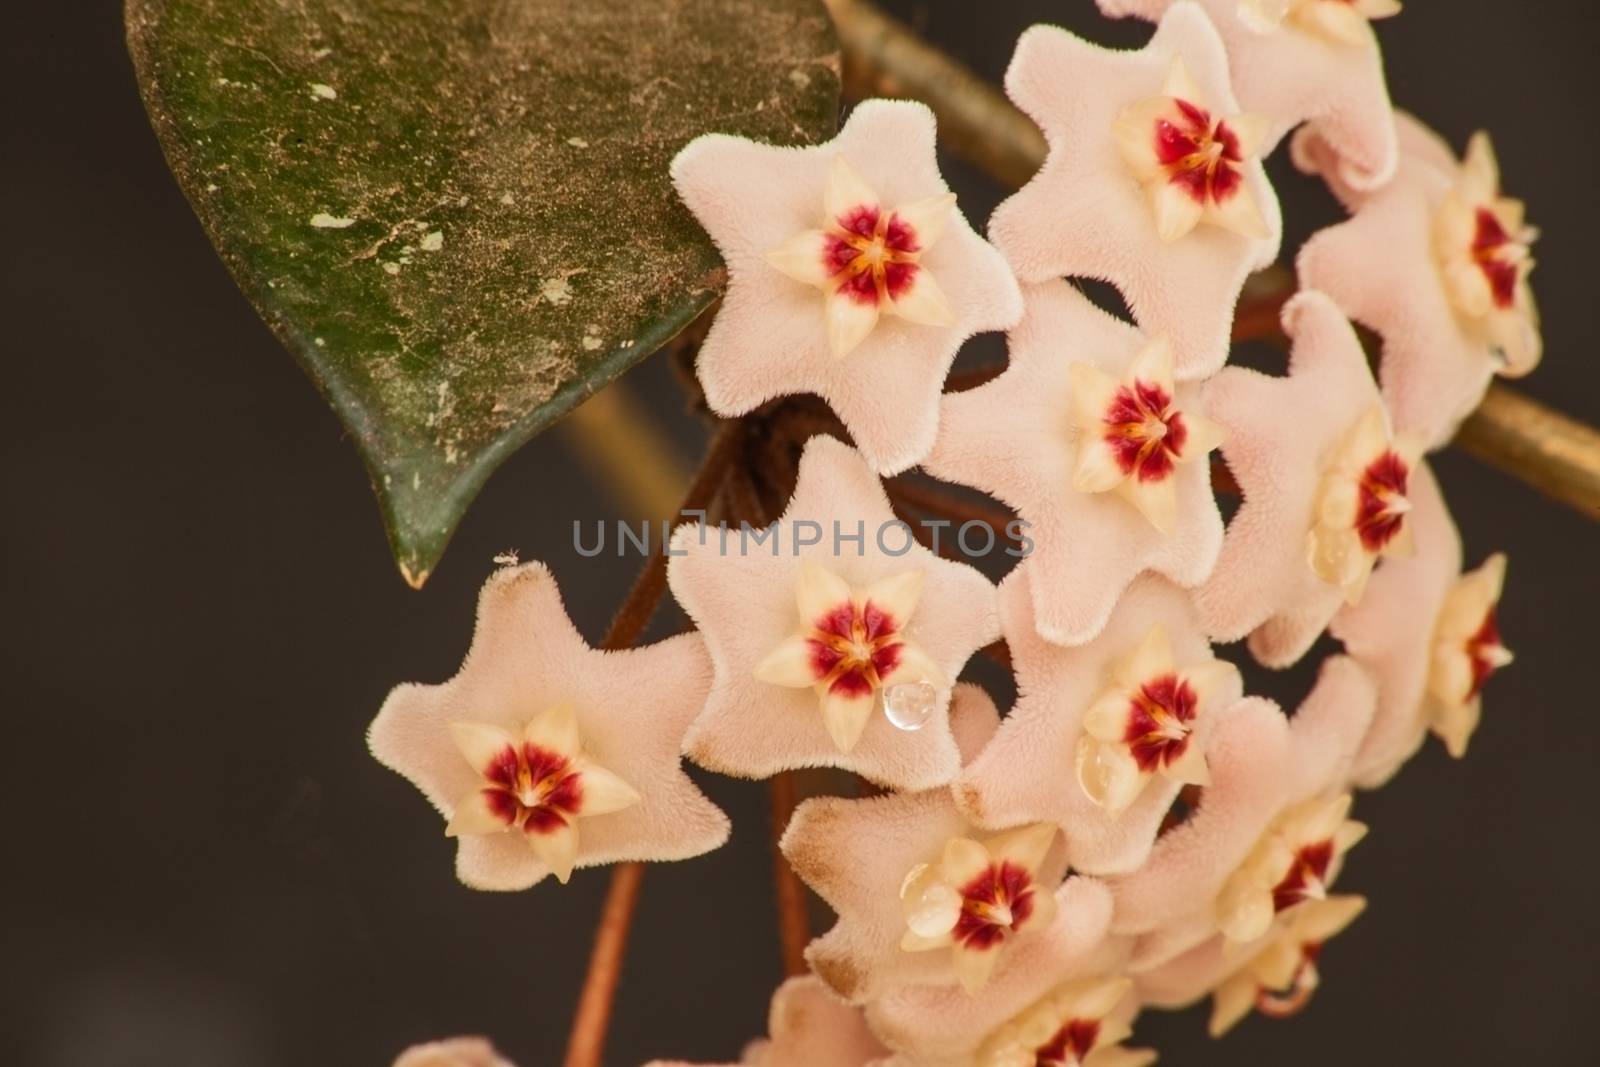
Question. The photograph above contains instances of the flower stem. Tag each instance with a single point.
(586, 1043)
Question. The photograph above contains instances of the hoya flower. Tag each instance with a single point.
(808, 1026)
(1279, 980)
(1324, 486)
(1314, 61)
(1466, 650)
(977, 895)
(1276, 975)
(1135, 707)
(1437, 264)
(1153, 180)
(1294, 862)
(921, 896)
(1361, 503)
(1391, 632)
(823, 624)
(454, 1052)
(1097, 447)
(544, 754)
(851, 275)
(1063, 968)
(1220, 868)
(1076, 1025)
(851, 646)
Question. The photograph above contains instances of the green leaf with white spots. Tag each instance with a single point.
(456, 213)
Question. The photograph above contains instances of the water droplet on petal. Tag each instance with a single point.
(909, 705)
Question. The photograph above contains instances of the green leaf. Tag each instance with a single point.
(456, 213)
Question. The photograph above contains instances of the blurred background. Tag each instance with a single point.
(201, 617)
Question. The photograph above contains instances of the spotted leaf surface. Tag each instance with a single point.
(457, 214)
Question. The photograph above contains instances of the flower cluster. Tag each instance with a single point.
(1136, 831)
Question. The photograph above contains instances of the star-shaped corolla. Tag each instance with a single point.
(1324, 485)
(809, 1026)
(452, 1052)
(1078, 1024)
(1391, 632)
(1150, 179)
(1467, 650)
(1059, 974)
(1295, 61)
(1280, 979)
(1087, 435)
(851, 647)
(1437, 264)
(818, 623)
(1272, 805)
(851, 275)
(544, 754)
(1276, 975)
(1135, 707)
(921, 895)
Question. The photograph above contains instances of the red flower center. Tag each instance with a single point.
(1282, 1003)
(852, 648)
(1160, 715)
(1495, 253)
(1383, 483)
(870, 254)
(1480, 647)
(1144, 431)
(1202, 157)
(994, 904)
(1070, 1045)
(533, 787)
(1307, 874)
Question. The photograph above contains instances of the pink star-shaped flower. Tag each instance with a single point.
(808, 1026)
(1058, 999)
(921, 896)
(815, 627)
(1299, 60)
(452, 1052)
(1430, 638)
(1088, 437)
(1267, 833)
(1153, 181)
(1324, 485)
(1136, 708)
(544, 754)
(1436, 263)
(851, 275)
(1275, 976)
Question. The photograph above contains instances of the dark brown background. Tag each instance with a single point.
(204, 866)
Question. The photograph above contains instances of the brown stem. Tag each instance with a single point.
(589, 1023)
(933, 501)
(794, 921)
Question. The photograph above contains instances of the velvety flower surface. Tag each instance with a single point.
(1437, 264)
(1275, 976)
(1136, 710)
(1057, 1001)
(808, 1026)
(1274, 802)
(1391, 633)
(1324, 483)
(921, 895)
(1295, 61)
(452, 1052)
(851, 275)
(810, 633)
(1088, 436)
(1152, 183)
(543, 753)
